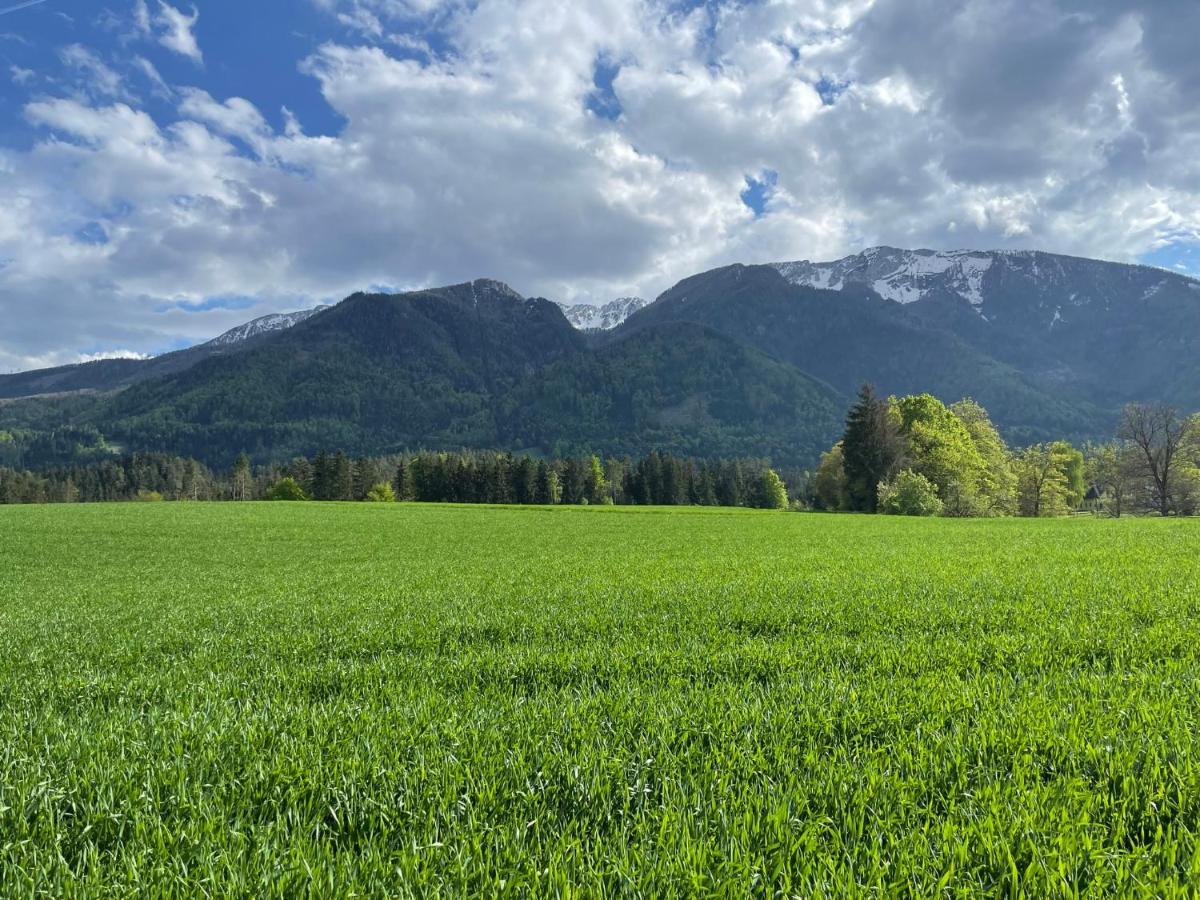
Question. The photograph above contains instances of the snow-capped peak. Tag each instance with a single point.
(904, 276)
(263, 325)
(589, 317)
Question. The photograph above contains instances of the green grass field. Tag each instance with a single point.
(398, 700)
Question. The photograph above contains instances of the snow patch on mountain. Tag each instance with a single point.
(904, 276)
(589, 317)
(263, 325)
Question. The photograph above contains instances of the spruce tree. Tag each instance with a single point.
(873, 449)
(342, 481)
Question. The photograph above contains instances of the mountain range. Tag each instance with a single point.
(757, 360)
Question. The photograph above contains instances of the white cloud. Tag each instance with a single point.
(999, 123)
(172, 27)
(97, 79)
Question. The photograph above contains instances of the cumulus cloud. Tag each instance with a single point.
(1058, 124)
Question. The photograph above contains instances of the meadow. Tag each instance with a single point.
(401, 700)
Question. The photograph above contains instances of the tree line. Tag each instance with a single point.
(908, 455)
(916, 456)
(659, 479)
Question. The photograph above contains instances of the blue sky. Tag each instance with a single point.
(168, 170)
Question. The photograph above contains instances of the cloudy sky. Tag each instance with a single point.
(167, 171)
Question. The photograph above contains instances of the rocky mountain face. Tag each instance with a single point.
(589, 317)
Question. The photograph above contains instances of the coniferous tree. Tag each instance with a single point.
(363, 478)
(341, 478)
(873, 449)
(402, 482)
(574, 482)
(524, 481)
(321, 487)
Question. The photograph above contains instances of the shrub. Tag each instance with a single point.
(286, 489)
(381, 493)
(909, 494)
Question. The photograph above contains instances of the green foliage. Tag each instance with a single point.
(1042, 480)
(873, 448)
(941, 449)
(1071, 463)
(829, 485)
(909, 494)
(997, 482)
(334, 700)
(149, 497)
(381, 493)
(770, 492)
(286, 488)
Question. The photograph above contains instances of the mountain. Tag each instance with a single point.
(1104, 332)
(587, 317)
(850, 336)
(476, 365)
(373, 373)
(264, 325)
(112, 374)
(679, 387)
(742, 360)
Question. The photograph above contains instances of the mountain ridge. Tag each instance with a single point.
(741, 360)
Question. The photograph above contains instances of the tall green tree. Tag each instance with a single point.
(549, 489)
(402, 485)
(341, 478)
(941, 449)
(362, 478)
(1043, 489)
(873, 448)
(997, 484)
(597, 486)
(1111, 471)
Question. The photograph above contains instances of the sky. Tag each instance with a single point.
(170, 170)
